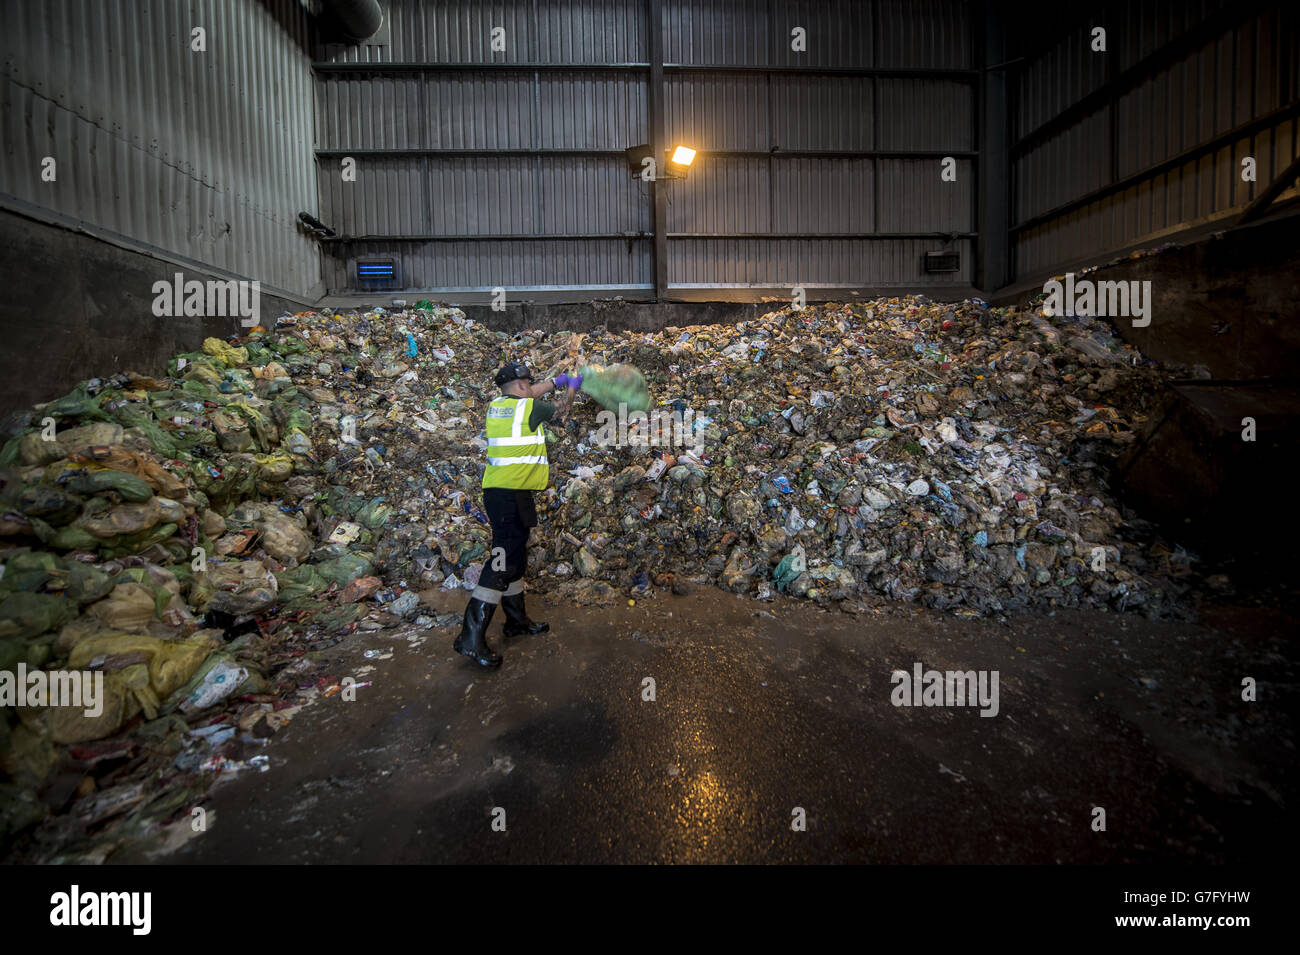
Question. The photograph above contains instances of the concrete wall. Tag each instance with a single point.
(77, 307)
(1228, 300)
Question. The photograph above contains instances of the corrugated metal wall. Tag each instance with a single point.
(481, 168)
(205, 156)
(1194, 88)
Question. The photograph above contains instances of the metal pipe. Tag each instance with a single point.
(359, 19)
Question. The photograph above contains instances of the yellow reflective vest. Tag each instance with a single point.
(516, 455)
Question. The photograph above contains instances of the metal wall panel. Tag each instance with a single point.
(202, 155)
(1189, 193)
(581, 194)
(385, 111)
(1209, 101)
(812, 262)
(1074, 162)
(822, 195)
(723, 195)
(736, 89)
(511, 264)
(914, 198)
(822, 112)
(591, 110)
(536, 31)
(510, 109)
(1069, 69)
(926, 114)
(716, 32)
(839, 34)
(929, 34)
(718, 111)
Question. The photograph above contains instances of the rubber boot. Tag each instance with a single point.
(517, 622)
(472, 641)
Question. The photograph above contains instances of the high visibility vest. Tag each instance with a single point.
(516, 455)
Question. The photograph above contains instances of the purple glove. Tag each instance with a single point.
(568, 381)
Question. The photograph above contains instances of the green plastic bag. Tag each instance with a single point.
(135, 543)
(131, 489)
(791, 566)
(374, 514)
(27, 572)
(87, 583)
(136, 416)
(67, 538)
(11, 455)
(24, 615)
(52, 504)
(78, 404)
(616, 385)
(343, 570)
(301, 581)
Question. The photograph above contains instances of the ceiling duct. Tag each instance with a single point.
(356, 19)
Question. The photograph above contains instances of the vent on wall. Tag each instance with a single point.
(377, 272)
(943, 262)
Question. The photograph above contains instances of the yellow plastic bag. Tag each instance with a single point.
(229, 354)
(169, 663)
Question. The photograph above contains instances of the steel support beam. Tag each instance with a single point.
(1207, 31)
(1260, 204)
(992, 196)
(1260, 124)
(658, 144)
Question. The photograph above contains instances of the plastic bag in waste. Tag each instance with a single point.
(54, 505)
(124, 519)
(275, 467)
(374, 514)
(301, 581)
(235, 587)
(77, 404)
(283, 539)
(141, 466)
(229, 355)
(167, 664)
(87, 583)
(219, 677)
(131, 544)
(29, 571)
(615, 385)
(78, 724)
(92, 480)
(343, 569)
(24, 615)
(34, 449)
(130, 608)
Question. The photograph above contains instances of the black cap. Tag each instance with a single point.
(512, 372)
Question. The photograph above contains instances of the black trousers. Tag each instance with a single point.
(511, 514)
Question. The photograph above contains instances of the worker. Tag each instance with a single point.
(516, 467)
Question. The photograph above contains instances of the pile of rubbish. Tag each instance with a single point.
(198, 538)
(948, 455)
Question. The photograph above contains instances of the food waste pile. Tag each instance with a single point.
(200, 538)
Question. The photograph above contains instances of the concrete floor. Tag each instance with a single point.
(765, 707)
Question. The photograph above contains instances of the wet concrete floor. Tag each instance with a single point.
(766, 714)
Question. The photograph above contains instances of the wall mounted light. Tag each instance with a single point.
(677, 162)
